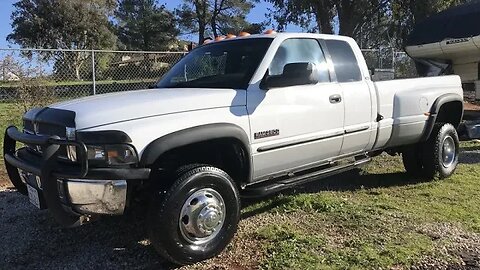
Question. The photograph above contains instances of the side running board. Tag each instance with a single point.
(278, 184)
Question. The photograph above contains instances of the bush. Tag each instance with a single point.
(34, 92)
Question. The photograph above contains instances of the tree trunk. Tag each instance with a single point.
(201, 12)
(213, 24)
(346, 17)
(323, 16)
(77, 72)
(74, 65)
(213, 21)
(201, 32)
(325, 25)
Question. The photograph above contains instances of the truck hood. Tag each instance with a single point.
(105, 109)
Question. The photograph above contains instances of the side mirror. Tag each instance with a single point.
(293, 74)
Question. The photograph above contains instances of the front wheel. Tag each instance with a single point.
(440, 152)
(197, 217)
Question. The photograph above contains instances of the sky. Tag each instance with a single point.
(6, 7)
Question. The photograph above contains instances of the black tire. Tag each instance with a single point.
(164, 215)
(412, 159)
(434, 161)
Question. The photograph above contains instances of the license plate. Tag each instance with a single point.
(33, 196)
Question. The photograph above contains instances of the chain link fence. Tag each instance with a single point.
(38, 76)
(389, 64)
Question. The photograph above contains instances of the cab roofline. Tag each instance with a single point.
(282, 35)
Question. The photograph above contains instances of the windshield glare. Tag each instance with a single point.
(226, 64)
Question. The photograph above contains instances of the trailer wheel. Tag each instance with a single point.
(440, 152)
(197, 217)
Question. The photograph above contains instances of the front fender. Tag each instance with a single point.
(194, 135)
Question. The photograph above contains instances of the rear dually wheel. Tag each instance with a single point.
(440, 152)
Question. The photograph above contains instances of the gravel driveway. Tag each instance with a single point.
(31, 239)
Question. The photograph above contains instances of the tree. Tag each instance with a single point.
(63, 24)
(302, 13)
(407, 13)
(254, 28)
(350, 14)
(31, 85)
(218, 17)
(372, 23)
(142, 25)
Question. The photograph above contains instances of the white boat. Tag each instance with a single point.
(462, 53)
(449, 42)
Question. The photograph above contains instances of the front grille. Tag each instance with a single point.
(45, 129)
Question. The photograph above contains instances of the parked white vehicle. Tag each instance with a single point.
(246, 116)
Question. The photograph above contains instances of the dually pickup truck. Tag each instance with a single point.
(242, 117)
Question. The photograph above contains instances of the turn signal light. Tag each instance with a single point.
(270, 32)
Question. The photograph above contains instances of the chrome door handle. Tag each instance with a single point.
(335, 99)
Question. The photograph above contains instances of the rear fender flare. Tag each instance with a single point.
(437, 105)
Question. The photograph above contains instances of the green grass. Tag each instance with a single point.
(378, 220)
(10, 114)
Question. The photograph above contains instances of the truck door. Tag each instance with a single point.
(295, 125)
(357, 96)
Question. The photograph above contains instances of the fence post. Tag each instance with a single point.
(94, 83)
(394, 59)
(381, 57)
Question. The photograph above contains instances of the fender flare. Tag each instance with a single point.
(197, 134)
(432, 119)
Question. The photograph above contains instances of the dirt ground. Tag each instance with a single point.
(4, 183)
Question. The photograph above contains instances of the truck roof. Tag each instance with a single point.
(284, 35)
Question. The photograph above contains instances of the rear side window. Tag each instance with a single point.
(344, 61)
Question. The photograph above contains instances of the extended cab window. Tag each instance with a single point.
(344, 61)
(300, 51)
(224, 64)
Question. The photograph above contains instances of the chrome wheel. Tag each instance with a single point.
(202, 216)
(448, 151)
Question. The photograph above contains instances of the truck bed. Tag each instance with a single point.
(404, 106)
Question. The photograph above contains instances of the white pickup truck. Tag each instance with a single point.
(245, 116)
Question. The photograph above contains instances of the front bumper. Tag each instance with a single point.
(85, 196)
(70, 191)
(96, 196)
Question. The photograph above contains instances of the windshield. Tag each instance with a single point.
(225, 64)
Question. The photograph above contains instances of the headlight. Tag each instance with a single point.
(117, 154)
